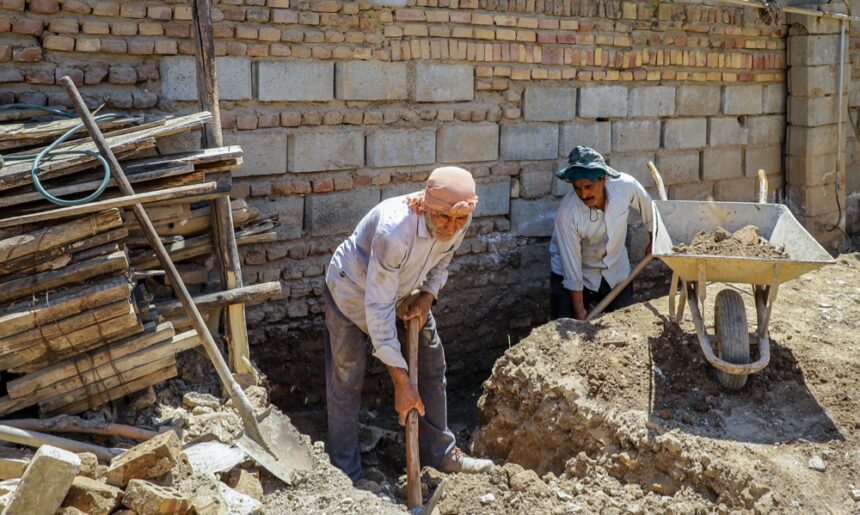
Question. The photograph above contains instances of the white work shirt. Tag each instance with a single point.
(589, 244)
(389, 255)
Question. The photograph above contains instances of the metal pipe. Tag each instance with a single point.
(794, 10)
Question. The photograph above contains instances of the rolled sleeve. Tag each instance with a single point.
(570, 252)
(386, 257)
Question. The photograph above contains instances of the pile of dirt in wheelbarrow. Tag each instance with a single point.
(624, 414)
(744, 242)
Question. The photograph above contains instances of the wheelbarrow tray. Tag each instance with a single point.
(678, 221)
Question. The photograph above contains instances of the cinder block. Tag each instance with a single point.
(533, 217)
(646, 101)
(815, 200)
(494, 197)
(295, 81)
(685, 133)
(529, 142)
(721, 163)
(812, 141)
(401, 147)
(814, 50)
(693, 191)
(637, 166)
(814, 111)
(264, 152)
(45, 482)
(560, 188)
(813, 81)
(603, 102)
(466, 143)
(766, 129)
(773, 98)
(811, 170)
(321, 151)
(697, 100)
(371, 80)
(534, 263)
(234, 78)
(679, 168)
(179, 78)
(727, 130)
(742, 99)
(736, 190)
(635, 135)
(338, 213)
(444, 82)
(290, 212)
(402, 188)
(549, 104)
(535, 181)
(597, 135)
(767, 158)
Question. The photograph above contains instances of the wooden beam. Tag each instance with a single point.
(36, 439)
(57, 235)
(243, 295)
(70, 424)
(33, 262)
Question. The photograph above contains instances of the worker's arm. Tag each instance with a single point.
(641, 202)
(569, 242)
(406, 396)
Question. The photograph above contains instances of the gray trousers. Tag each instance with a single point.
(346, 349)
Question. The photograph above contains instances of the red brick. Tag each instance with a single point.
(236, 48)
(222, 31)
(258, 50)
(141, 47)
(99, 28)
(63, 26)
(361, 181)
(32, 54)
(5, 24)
(177, 30)
(114, 46)
(88, 45)
(60, 43)
(144, 99)
(159, 12)
(106, 9)
(132, 10)
(234, 13)
(323, 186)
(267, 120)
(27, 26)
(122, 75)
(76, 7)
(44, 6)
(75, 74)
(12, 5)
(246, 121)
(189, 48)
(95, 75)
(228, 119)
(5, 55)
(291, 119)
(246, 32)
(39, 76)
(284, 16)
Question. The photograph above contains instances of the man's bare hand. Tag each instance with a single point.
(580, 313)
(420, 309)
(406, 399)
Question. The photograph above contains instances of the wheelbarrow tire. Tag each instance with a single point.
(730, 320)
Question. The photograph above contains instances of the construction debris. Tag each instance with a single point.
(145, 497)
(46, 481)
(93, 496)
(145, 461)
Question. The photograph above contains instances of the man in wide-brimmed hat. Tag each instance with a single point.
(588, 255)
(399, 253)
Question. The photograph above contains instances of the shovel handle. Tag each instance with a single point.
(413, 462)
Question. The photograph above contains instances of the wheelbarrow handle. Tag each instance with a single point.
(413, 462)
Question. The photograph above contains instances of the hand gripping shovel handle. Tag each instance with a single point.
(413, 463)
(240, 400)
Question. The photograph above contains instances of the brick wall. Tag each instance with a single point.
(341, 104)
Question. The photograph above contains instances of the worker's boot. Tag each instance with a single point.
(459, 461)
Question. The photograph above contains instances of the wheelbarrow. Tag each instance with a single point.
(728, 350)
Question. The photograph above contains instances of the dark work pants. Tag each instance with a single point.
(560, 305)
(346, 349)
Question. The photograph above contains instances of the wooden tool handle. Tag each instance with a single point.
(413, 462)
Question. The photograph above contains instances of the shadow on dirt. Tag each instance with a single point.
(775, 406)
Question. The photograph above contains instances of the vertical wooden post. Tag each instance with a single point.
(222, 215)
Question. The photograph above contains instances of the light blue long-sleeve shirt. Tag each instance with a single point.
(589, 244)
(390, 254)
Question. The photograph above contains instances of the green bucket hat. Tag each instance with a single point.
(585, 163)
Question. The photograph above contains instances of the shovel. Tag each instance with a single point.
(282, 450)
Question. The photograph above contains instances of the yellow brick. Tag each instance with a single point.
(625, 61)
(415, 30)
(522, 54)
(700, 76)
(603, 39)
(488, 52)
(613, 75)
(538, 54)
(526, 35)
(750, 31)
(439, 32)
(664, 12)
(599, 75)
(503, 20)
(361, 53)
(391, 31)
(570, 73)
(425, 49)
(527, 23)
(270, 34)
(471, 50)
(484, 71)
(539, 73)
(587, 39)
(462, 32)
(669, 74)
(435, 16)
(598, 56)
(479, 52)
(481, 19)
(554, 74)
(182, 12)
(569, 25)
(415, 48)
(502, 71)
(627, 76)
(730, 77)
(521, 74)
(506, 34)
(681, 76)
(653, 76)
(622, 41)
(485, 34)
(436, 49)
(500, 84)
(628, 10)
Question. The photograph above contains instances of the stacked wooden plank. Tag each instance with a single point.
(79, 286)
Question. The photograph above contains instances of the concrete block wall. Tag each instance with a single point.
(340, 104)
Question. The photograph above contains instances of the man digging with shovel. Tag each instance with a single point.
(587, 252)
(402, 245)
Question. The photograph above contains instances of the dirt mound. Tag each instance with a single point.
(625, 412)
(744, 242)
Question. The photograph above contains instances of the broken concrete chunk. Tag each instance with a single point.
(208, 504)
(92, 496)
(528, 481)
(816, 463)
(45, 482)
(238, 503)
(139, 401)
(192, 400)
(212, 457)
(11, 468)
(747, 235)
(148, 460)
(246, 482)
(145, 497)
(90, 466)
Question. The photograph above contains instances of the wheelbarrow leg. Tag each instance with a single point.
(673, 290)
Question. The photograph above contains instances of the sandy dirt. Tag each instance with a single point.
(744, 242)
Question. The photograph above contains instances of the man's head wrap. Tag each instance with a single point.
(450, 191)
(585, 163)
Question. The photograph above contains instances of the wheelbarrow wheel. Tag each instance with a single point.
(730, 319)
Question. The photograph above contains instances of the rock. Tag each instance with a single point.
(193, 399)
(145, 497)
(247, 483)
(488, 498)
(528, 481)
(816, 463)
(855, 494)
(223, 425)
(45, 481)
(139, 401)
(239, 503)
(70, 510)
(93, 497)
(90, 466)
(748, 235)
(721, 234)
(369, 485)
(12, 467)
(208, 504)
(148, 460)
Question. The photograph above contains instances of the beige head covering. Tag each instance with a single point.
(450, 190)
